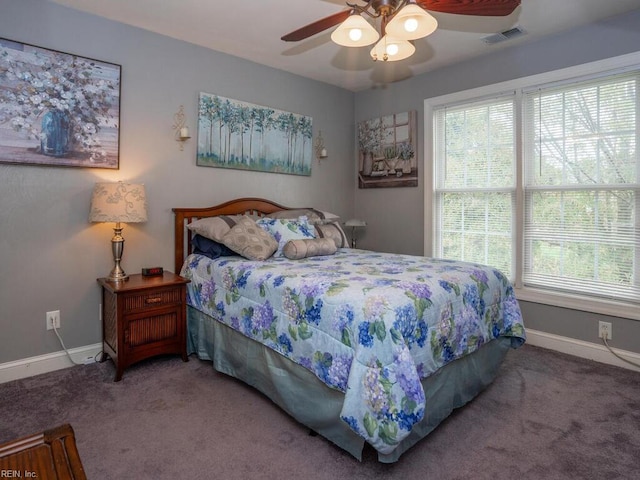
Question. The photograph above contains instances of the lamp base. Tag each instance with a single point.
(117, 274)
(118, 279)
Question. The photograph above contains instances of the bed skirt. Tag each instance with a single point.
(303, 396)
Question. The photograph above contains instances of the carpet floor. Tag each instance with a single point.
(547, 416)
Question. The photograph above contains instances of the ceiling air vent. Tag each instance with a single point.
(504, 36)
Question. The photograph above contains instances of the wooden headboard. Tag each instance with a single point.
(240, 206)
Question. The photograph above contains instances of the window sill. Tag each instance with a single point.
(576, 302)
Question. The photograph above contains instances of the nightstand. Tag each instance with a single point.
(143, 317)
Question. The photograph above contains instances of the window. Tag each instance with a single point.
(581, 187)
(475, 182)
(543, 183)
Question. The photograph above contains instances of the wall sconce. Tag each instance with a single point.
(354, 223)
(321, 151)
(182, 131)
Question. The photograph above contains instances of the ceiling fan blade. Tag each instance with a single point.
(485, 8)
(316, 27)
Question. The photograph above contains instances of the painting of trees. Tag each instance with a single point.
(240, 135)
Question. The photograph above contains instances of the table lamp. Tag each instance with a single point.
(119, 203)
(354, 223)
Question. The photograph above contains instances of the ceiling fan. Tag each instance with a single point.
(400, 22)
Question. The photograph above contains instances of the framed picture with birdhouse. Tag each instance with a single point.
(387, 151)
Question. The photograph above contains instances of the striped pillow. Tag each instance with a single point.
(214, 228)
(309, 247)
(333, 231)
(316, 217)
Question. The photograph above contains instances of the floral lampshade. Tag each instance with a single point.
(118, 202)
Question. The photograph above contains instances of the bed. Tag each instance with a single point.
(361, 347)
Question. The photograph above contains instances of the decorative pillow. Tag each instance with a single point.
(333, 231)
(210, 248)
(249, 240)
(309, 247)
(284, 229)
(214, 227)
(316, 217)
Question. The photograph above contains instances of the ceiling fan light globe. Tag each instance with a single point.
(410, 25)
(392, 49)
(343, 34)
(355, 34)
(412, 22)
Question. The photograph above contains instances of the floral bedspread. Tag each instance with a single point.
(368, 324)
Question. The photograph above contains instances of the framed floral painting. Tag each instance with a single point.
(57, 109)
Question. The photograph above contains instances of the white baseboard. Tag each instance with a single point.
(50, 362)
(58, 360)
(579, 348)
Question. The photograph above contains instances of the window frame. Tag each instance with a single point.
(617, 308)
(440, 172)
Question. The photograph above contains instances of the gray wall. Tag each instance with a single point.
(50, 256)
(393, 210)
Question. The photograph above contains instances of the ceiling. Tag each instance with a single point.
(251, 29)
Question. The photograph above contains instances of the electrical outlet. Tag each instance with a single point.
(605, 330)
(53, 319)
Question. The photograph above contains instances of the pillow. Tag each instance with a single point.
(284, 229)
(333, 231)
(316, 217)
(214, 227)
(309, 247)
(249, 240)
(210, 248)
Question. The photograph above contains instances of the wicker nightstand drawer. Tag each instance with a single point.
(133, 302)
